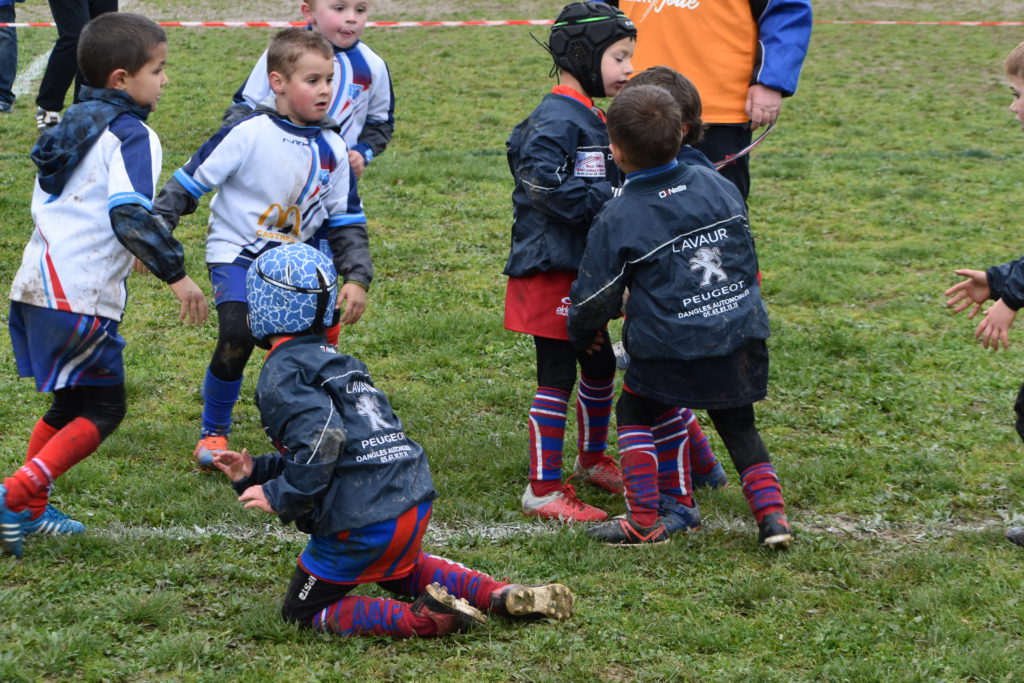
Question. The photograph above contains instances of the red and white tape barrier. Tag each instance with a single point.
(506, 22)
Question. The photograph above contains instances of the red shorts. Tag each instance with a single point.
(538, 304)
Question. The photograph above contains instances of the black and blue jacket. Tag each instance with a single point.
(564, 173)
(344, 460)
(679, 239)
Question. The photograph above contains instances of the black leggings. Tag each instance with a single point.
(307, 595)
(735, 425)
(234, 341)
(105, 407)
(557, 358)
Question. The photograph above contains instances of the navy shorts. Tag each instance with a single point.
(63, 349)
(228, 280)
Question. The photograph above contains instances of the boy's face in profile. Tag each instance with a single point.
(340, 21)
(147, 84)
(305, 95)
(1017, 106)
(617, 65)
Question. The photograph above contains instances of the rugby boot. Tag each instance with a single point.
(449, 614)
(551, 600)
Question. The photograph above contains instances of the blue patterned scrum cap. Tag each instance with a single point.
(290, 289)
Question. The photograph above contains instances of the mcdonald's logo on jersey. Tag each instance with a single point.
(283, 224)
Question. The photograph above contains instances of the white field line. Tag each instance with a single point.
(23, 82)
(442, 535)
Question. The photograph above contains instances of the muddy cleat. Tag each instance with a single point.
(46, 119)
(774, 532)
(551, 600)
(52, 522)
(562, 505)
(676, 516)
(604, 475)
(715, 479)
(203, 453)
(12, 526)
(449, 614)
(1015, 534)
(623, 531)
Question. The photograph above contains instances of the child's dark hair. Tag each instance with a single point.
(116, 40)
(1015, 62)
(290, 44)
(645, 125)
(683, 90)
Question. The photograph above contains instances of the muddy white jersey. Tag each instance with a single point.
(73, 261)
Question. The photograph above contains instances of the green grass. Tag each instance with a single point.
(896, 163)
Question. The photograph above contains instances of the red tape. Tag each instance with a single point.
(506, 22)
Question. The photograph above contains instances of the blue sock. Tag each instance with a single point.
(219, 398)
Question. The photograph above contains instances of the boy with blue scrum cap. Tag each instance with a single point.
(92, 209)
(347, 474)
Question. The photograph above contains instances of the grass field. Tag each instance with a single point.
(896, 163)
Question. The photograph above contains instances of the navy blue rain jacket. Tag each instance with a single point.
(678, 237)
(564, 173)
(345, 461)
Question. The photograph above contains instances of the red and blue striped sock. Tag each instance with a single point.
(461, 581)
(762, 489)
(639, 473)
(593, 413)
(672, 443)
(355, 615)
(547, 434)
(702, 460)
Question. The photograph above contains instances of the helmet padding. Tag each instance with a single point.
(579, 37)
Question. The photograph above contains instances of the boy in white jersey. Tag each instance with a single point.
(92, 208)
(282, 176)
(362, 102)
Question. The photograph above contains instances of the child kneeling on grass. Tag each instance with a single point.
(695, 324)
(349, 476)
(1004, 283)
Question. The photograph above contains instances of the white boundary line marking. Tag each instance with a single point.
(23, 82)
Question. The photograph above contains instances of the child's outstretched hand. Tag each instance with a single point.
(254, 498)
(193, 303)
(352, 299)
(237, 466)
(974, 290)
(995, 327)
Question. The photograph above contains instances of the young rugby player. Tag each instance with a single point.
(1004, 283)
(695, 323)
(563, 175)
(282, 176)
(363, 101)
(348, 475)
(92, 213)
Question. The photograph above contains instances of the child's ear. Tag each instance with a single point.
(277, 81)
(686, 130)
(117, 80)
(307, 12)
(616, 154)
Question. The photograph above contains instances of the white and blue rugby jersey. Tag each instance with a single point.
(73, 261)
(362, 92)
(276, 182)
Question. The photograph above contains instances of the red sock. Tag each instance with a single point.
(29, 485)
(639, 473)
(41, 434)
(461, 581)
(332, 333)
